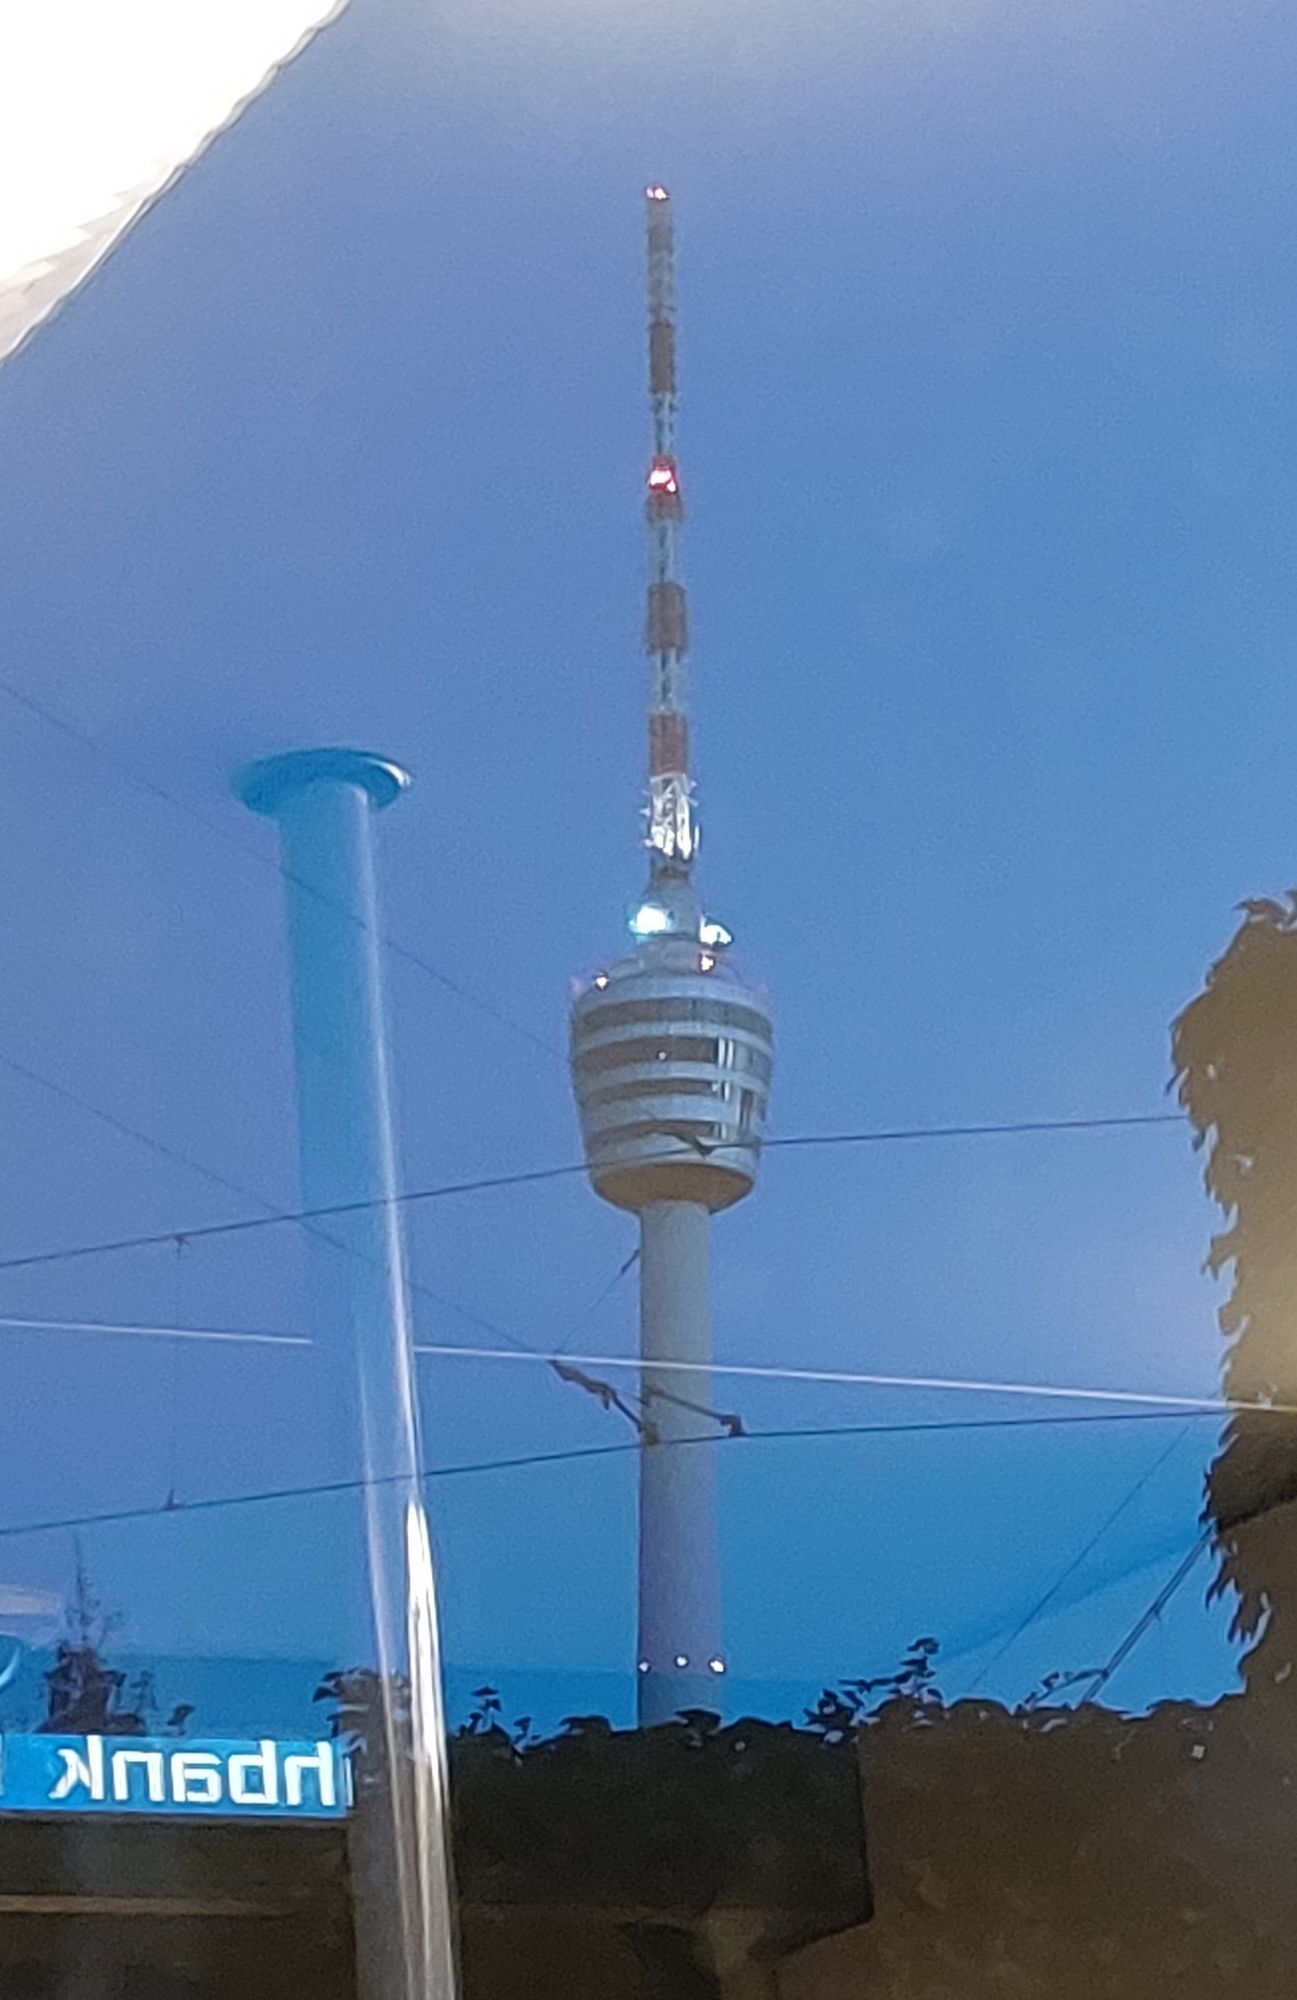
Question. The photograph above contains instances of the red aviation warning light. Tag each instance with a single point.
(663, 477)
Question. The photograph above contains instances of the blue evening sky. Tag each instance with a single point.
(988, 435)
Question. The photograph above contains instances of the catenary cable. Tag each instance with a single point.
(118, 1517)
(125, 1130)
(867, 1379)
(538, 1176)
(558, 1360)
(151, 789)
(1147, 1618)
(1064, 1576)
(1170, 1402)
(270, 1212)
(579, 1325)
(1004, 1129)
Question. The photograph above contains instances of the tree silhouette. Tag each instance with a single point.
(1234, 1051)
(84, 1696)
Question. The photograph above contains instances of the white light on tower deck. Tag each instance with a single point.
(671, 1063)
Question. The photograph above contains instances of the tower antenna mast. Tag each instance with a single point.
(672, 824)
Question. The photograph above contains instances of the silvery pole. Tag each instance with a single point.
(324, 802)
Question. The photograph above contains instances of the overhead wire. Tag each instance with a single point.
(803, 1433)
(175, 1154)
(271, 1213)
(566, 1372)
(622, 1272)
(116, 1517)
(560, 1361)
(571, 1370)
(235, 1336)
(642, 1418)
(182, 1239)
(539, 1176)
(869, 1379)
(1003, 1129)
(1080, 1558)
(152, 789)
(243, 1225)
(1170, 1402)
(1092, 1683)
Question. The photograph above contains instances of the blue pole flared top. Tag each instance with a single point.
(268, 786)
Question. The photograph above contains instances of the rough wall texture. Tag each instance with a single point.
(1082, 1857)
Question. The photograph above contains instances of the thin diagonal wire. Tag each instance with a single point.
(234, 1336)
(1146, 1619)
(271, 1213)
(1004, 1129)
(1171, 1405)
(1082, 1555)
(152, 789)
(579, 1325)
(125, 1130)
(862, 1379)
(124, 1515)
(244, 1225)
(535, 1177)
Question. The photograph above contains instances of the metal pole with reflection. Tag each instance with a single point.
(324, 802)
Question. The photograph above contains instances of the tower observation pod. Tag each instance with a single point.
(672, 1054)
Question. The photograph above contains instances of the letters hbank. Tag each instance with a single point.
(167, 1776)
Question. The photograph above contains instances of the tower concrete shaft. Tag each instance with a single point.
(367, 1410)
(681, 1650)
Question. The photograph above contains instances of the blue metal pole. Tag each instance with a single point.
(324, 802)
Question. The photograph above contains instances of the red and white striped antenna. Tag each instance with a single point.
(672, 825)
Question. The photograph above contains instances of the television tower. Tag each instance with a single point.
(671, 1064)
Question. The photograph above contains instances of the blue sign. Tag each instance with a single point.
(173, 1777)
